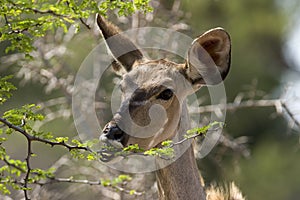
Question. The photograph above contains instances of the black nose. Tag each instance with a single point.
(113, 132)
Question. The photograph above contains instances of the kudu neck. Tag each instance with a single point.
(181, 179)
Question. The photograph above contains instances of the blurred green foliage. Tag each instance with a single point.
(272, 172)
(258, 32)
(256, 29)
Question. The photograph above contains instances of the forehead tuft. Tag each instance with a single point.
(152, 74)
(161, 64)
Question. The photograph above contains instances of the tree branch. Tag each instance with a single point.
(53, 180)
(279, 104)
(34, 138)
(31, 138)
(13, 165)
(80, 18)
(37, 11)
(27, 159)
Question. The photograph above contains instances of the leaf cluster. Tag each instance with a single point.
(166, 148)
(5, 88)
(198, 131)
(24, 21)
(165, 151)
(16, 174)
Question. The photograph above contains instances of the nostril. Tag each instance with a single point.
(115, 133)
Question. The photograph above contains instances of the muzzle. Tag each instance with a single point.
(113, 135)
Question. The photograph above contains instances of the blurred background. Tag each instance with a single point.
(260, 149)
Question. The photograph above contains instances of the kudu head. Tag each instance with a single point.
(153, 90)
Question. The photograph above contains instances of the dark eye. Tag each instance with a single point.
(165, 95)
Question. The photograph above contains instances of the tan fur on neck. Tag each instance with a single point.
(230, 192)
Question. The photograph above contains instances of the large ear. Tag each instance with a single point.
(122, 48)
(208, 59)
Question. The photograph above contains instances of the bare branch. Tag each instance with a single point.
(243, 104)
(84, 23)
(290, 114)
(27, 159)
(236, 144)
(279, 104)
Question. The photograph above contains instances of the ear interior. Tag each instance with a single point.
(208, 59)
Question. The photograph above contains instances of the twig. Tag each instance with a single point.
(84, 23)
(234, 106)
(30, 139)
(13, 165)
(81, 20)
(10, 26)
(196, 135)
(27, 159)
(53, 180)
(38, 11)
(278, 104)
(290, 114)
(18, 30)
(34, 138)
(237, 144)
(109, 152)
(42, 12)
(6, 21)
(88, 182)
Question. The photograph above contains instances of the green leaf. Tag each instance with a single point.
(133, 148)
(124, 177)
(27, 21)
(202, 130)
(91, 156)
(3, 189)
(62, 139)
(105, 183)
(77, 143)
(166, 152)
(75, 153)
(166, 143)
(132, 192)
(5, 88)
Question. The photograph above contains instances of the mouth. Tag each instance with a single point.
(116, 143)
(113, 135)
(109, 150)
(113, 140)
